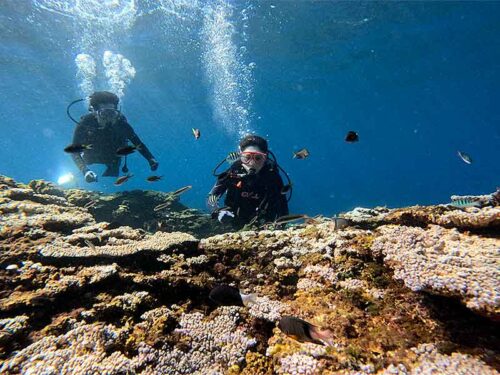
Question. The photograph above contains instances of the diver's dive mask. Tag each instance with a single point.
(107, 114)
(252, 159)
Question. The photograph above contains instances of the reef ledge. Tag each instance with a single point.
(412, 290)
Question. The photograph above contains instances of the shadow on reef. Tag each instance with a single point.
(136, 209)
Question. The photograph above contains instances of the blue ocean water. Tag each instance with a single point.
(418, 81)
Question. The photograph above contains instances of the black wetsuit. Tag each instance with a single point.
(105, 141)
(251, 195)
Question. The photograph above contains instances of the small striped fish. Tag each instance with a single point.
(232, 157)
(213, 199)
(464, 203)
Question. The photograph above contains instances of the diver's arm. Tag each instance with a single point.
(79, 138)
(136, 141)
(218, 190)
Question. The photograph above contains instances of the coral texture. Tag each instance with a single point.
(399, 291)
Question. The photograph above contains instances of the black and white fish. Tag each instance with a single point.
(232, 157)
(229, 296)
(213, 199)
(90, 204)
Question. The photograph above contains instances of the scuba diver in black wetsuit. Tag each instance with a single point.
(254, 189)
(106, 130)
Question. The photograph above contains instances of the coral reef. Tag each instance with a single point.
(401, 291)
(444, 261)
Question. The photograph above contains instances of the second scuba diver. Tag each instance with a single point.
(106, 130)
(253, 186)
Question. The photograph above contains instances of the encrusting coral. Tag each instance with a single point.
(444, 261)
(400, 291)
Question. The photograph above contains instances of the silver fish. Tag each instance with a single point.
(182, 190)
(289, 218)
(89, 244)
(465, 157)
(301, 154)
(162, 206)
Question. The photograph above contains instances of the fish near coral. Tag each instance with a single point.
(229, 296)
(303, 331)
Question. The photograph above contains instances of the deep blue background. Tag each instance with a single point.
(417, 80)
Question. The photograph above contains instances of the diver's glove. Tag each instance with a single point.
(90, 176)
(153, 164)
(224, 216)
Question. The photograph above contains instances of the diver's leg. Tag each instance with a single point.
(113, 169)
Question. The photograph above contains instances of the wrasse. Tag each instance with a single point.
(303, 331)
(121, 180)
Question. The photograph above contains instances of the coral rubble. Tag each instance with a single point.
(91, 283)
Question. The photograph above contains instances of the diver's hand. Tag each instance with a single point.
(224, 216)
(153, 164)
(90, 176)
